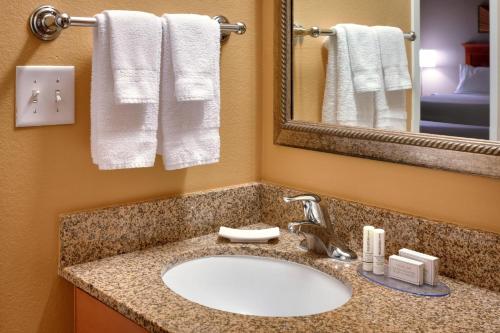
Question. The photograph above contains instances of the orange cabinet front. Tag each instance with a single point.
(92, 316)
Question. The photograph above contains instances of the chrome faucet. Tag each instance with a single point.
(317, 229)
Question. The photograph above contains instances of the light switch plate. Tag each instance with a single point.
(48, 81)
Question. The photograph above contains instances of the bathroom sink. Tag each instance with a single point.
(256, 286)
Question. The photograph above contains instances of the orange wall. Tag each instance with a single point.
(46, 171)
(462, 199)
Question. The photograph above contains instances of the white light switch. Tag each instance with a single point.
(45, 95)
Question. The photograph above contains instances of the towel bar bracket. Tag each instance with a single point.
(239, 28)
(46, 23)
(43, 24)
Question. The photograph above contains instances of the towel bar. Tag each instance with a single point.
(315, 32)
(47, 22)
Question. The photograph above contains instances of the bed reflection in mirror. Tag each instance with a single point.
(455, 73)
(354, 64)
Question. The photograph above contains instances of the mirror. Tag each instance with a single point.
(454, 67)
(353, 84)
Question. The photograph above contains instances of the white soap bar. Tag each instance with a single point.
(431, 264)
(407, 270)
(249, 236)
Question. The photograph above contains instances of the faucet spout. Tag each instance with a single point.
(318, 230)
(294, 227)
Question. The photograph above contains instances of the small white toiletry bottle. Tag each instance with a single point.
(368, 248)
(378, 251)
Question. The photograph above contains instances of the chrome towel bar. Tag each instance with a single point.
(299, 31)
(47, 22)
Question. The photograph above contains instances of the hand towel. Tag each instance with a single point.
(390, 110)
(189, 130)
(341, 104)
(393, 55)
(193, 39)
(122, 136)
(135, 42)
(390, 104)
(365, 58)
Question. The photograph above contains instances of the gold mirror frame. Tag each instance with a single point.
(472, 156)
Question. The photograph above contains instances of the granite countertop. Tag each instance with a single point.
(131, 284)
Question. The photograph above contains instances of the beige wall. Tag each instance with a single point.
(462, 199)
(310, 57)
(46, 171)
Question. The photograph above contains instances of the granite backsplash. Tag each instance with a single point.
(467, 255)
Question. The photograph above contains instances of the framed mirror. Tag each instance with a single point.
(434, 102)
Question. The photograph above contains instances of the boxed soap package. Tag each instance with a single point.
(407, 270)
(431, 264)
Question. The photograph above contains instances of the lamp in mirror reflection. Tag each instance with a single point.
(428, 58)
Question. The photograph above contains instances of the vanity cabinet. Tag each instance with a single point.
(92, 316)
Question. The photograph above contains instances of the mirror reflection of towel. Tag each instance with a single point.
(358, 97)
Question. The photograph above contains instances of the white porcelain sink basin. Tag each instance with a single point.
(256, 286)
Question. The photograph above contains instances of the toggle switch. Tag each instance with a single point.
(58, 96)
(34, 95)
(39, 91)
(58, 99)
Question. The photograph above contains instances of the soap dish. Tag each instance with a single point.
(249, 236)
(439, 290)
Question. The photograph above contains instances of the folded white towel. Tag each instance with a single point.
(195, 58)
(135, 41)
(365, 58)
(390, 110)
(341, 104)
(189, 130)
(249, 236)
(393, 54)
(122, 136)
(390, 105)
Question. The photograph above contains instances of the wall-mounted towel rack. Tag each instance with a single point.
(47, 22)
(299, 31)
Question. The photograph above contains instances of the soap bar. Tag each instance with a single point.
(249, 236)
(407, 270)
(431, 264)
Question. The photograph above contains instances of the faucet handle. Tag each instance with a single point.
(312, 210)
(307, 197)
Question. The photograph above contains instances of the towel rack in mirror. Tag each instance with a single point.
(300, 31)
(47, 22)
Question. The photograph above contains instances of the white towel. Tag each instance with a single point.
(365, 58)
(192, 40)
(189, 130)
(390, 105)
(122, 136)
(135, 42)
(341, 104)
(394, 62)
(390, 110)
